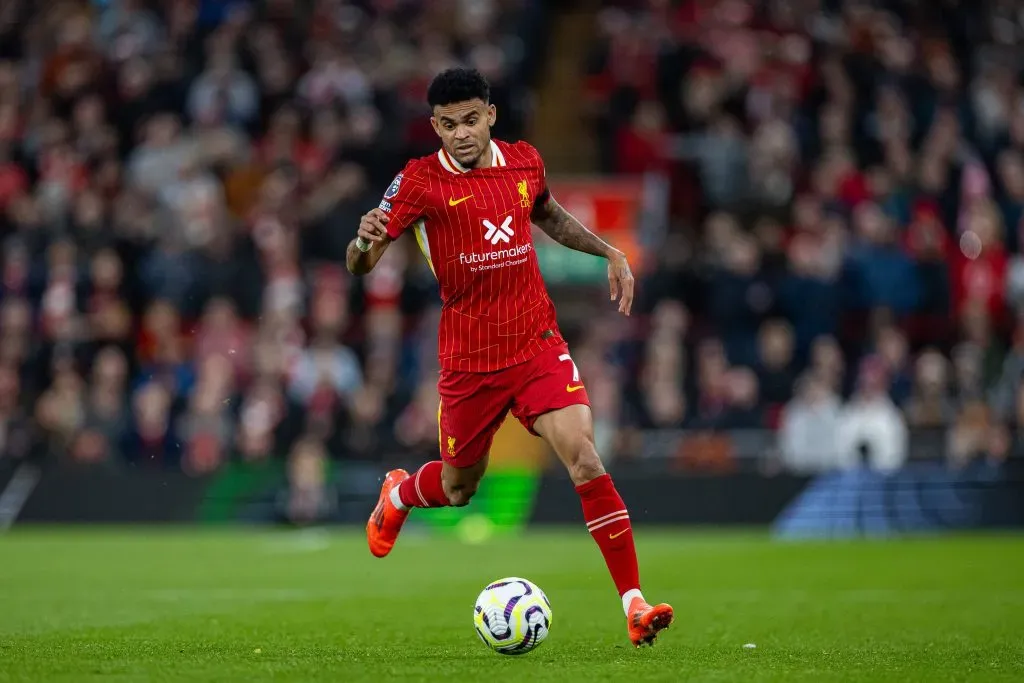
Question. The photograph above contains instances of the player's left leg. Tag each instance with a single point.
(570, 432)
(553, 404)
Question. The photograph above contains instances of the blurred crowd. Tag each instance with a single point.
(178, 183)
(179, 180)
(844, 261)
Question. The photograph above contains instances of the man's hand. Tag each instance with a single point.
(372, 226)
(620, 281)
(370, 243)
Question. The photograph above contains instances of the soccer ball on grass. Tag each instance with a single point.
(512, 616)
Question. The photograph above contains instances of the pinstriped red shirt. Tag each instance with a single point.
(473, 227)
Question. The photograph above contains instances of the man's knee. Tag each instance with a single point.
(570, 431)
(460, 489)
(460, 494)
(585, 464)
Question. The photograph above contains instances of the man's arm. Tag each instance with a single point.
(562, 226)
(370, 244)
(402, 205)
(361, 262)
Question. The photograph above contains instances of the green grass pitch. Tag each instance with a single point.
(181, 605)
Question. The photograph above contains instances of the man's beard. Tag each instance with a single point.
(471, 163)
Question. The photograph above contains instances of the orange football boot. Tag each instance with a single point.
(645, 622)
(386, 520)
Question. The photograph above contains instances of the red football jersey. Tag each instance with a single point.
(473, 226)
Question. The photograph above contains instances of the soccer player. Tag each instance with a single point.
(470, 207)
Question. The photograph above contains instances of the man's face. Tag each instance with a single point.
(464, 129)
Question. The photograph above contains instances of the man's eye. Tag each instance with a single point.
(471, 122)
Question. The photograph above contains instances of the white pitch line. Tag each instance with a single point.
(16, 494)
(241, 594)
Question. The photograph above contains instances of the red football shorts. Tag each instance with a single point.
(474, 404)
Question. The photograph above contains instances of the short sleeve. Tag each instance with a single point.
(403, 201)
(543, 192)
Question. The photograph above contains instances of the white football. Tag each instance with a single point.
(512, 616)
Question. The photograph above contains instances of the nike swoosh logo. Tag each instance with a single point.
(570, 388)
(455, 202)
(378, 515)
(614, 536)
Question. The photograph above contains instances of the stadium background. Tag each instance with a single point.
(822, 201)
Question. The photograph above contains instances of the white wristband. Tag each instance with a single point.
(363, 245)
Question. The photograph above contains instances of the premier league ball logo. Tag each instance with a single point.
(393, 188)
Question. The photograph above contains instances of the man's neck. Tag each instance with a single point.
(486, 159)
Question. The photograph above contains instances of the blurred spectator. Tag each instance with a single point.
(809, 293)
(416, 426)
(980, 265)
(151, 439)
(307, 499)
(126, 29)
(640, 145)
(326, 379)
(929, 404)
(977, 331)
(881, 274)
(741, 297)
(871, 429)
(606, 404)
(223, 92)
(17, 350)
(663, 379)
(15, 430)
(207, 427)
(719, 153)
(1003, 397)
(810, 422)
(711, 369)
(776, 365)
(161, 350)
(828, 364)
(60, 411)
(220, 333)
(893, 350)
(968, 373)
(743, 401)
(156, 164)
(106, 422)
(109, 313)
(975, 435)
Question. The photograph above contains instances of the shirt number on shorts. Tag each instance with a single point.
(575, 370)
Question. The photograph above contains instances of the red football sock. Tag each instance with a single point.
(424, 489)
(608, 522)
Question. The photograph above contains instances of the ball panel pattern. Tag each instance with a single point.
(512, 616)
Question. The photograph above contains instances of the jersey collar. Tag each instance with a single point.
(452, 166)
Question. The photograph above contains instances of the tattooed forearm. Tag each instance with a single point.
(562, 226)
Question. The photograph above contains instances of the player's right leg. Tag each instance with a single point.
(468, 417)
(386, 520)
(435, 484)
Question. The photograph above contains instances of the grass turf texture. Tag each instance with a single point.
(122, 605)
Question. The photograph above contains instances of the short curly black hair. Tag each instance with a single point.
(458, 85)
